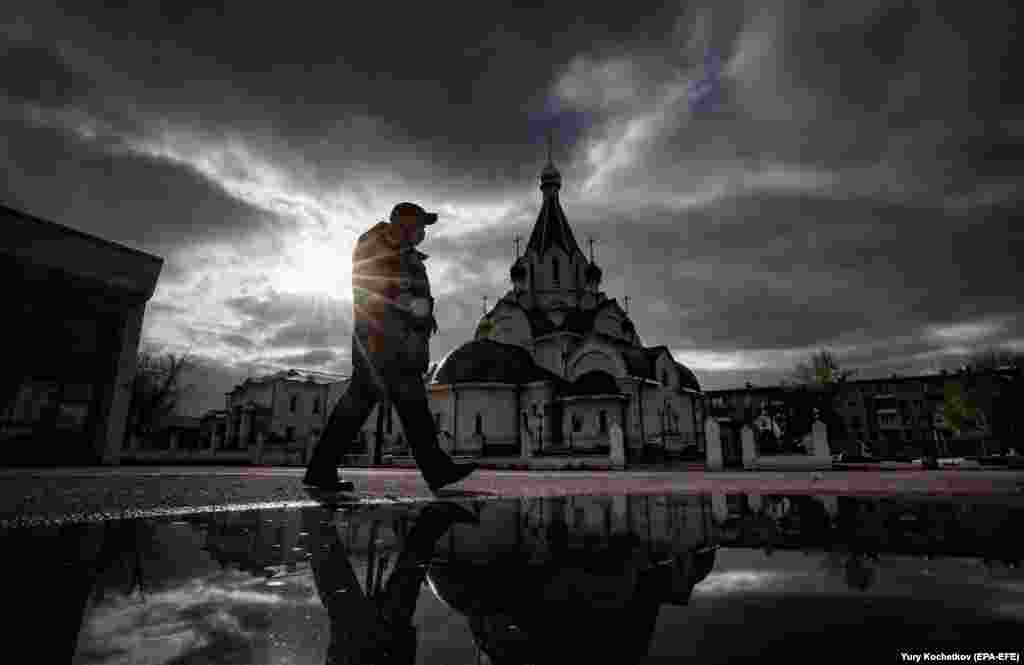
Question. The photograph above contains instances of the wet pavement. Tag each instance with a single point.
(42, 496)
(713, 577)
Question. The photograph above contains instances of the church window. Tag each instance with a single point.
(554, 268)
(664, 377)
(316, 405)
(437, 421)
(526, 420)
(577, 423)
(289, 433)
(603, 421)
(388, 425)
(293, 403)
(479, 429)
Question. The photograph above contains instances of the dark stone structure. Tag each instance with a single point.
(75, 305)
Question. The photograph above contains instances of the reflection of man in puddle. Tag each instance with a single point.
(588, 608)
(375, 626)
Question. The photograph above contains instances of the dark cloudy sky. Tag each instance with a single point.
(851, 184)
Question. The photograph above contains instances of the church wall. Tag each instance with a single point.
(629, 386)
(537, 395)
(548, 354)
(588, 411)
(496, 404)
(442, 402)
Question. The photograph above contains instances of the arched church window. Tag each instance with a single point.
(293, 403)
(479, 429)
(554, 268)
(664, 377)
(602, 419)
(577, 423)
(387, 419)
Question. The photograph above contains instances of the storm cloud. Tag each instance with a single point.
(850, 182)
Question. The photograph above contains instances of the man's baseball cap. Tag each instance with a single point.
(407, 209)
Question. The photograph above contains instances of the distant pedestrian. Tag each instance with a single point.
(394, 319)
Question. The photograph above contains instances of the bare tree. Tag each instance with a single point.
(157, 389)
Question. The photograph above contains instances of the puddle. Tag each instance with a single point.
(708, 578)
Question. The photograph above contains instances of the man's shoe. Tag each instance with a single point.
(328, 484)
(452, 474)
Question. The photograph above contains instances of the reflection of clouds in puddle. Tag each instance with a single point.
(164, 625)
(1010, 610)
(735, 581)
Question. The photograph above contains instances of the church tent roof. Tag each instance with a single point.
(552, 229)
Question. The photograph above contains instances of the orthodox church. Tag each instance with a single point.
(557, 367)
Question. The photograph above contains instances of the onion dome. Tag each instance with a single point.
(550, 177)
(485, 328)
(592, 273)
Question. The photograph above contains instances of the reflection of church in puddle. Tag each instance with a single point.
(557, 366)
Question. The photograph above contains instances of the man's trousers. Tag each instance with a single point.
(377, 378)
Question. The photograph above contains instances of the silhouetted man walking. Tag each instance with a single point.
(394, 319)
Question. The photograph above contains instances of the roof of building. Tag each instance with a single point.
(38, 241)
(296, 376)
(486, 360)
(552, 228)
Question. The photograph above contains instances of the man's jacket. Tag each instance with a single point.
(391, 296)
